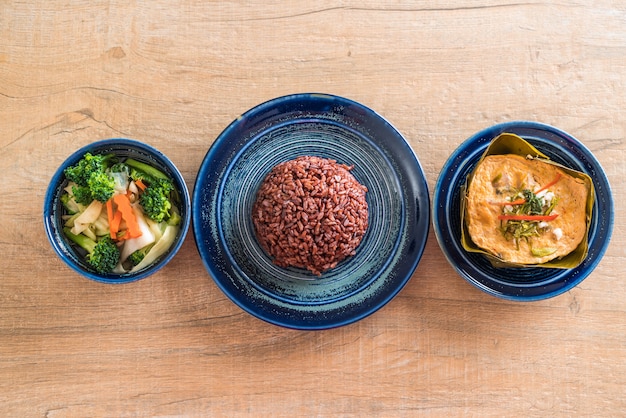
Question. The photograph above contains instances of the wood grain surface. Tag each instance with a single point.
(174, 75)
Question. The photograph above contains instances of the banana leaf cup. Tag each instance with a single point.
(506, 144)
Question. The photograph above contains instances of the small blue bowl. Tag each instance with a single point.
(53, 208)
(329, 127)
(519, 284)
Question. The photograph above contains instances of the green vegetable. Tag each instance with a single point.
(534, 204)
(91, 178)
(103, 255)
(140, 175)
(120, 168)
(155, 200)
(70, 204)
(136, 257)
(517, 230)
(160, 247)
(174, 217)
(87, 165)
(143, 171)
(521, 220)
(82, 195)
(101, 185)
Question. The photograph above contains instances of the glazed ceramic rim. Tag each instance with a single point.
(527, 284)
(52, 209)
(225, 270)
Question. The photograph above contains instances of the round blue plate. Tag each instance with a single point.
(520, 284)
(329, 127)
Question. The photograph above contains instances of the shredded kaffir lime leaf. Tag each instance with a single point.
(530, 205)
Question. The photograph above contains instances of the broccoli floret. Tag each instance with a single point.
(91, 178)
(102, 255)
(155, 200)
(136, 257)
(82, 194)
(120, 168)
(140, 175)
(87, 165)
(101, 185)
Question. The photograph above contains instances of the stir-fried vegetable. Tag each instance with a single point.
(125, 205)
(103, 255)
(87, 166)
(155, 200)
(138, 256)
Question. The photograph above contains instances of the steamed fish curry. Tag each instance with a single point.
(525, 211)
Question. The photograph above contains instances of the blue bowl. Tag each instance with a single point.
(328, 127)
(53, 208)
(519, 284)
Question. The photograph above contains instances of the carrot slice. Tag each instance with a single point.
(123, 205)
(109, 206)
(537, 218)
(140, 184)
(114, 226)
(552, 183)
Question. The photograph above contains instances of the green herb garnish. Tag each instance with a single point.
(525, 216)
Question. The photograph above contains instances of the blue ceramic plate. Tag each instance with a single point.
(329, 127)
(520, 284)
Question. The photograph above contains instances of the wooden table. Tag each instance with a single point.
(174, 75)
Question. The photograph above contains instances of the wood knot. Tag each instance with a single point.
(117, 52)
